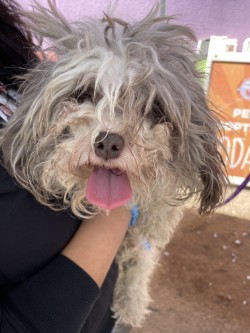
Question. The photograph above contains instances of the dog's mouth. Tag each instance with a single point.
(108, 188)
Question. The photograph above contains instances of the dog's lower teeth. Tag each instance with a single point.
(116, 172)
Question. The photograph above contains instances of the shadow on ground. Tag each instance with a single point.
(203, 282)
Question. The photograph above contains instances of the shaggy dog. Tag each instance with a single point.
(119, 118)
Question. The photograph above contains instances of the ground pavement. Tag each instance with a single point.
(203, 282)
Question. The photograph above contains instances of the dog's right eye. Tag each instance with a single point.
(82, 96)
(64, 135)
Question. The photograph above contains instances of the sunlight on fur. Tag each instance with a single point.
(137, 84)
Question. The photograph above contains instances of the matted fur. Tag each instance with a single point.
(139, 81)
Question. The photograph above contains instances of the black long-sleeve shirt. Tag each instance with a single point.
(41, 291)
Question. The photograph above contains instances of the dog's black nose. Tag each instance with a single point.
(108, 145)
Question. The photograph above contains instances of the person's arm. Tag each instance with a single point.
(97, 241)
(59, 298)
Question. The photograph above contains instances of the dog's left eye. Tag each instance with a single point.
(156, 114)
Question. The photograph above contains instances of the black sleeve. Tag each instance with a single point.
(57, 299)
(42, 291)
(31, 235)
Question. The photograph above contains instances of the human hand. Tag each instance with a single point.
(96, 242)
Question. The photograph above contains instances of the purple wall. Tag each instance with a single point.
(128, 9)
(214, 17)
(210, 17)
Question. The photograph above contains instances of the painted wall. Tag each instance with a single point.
(214, 17)
(209, 17)
(128, 9)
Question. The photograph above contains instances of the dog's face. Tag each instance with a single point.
(119, 116)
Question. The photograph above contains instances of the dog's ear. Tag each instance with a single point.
(203, 154)
(212, 176)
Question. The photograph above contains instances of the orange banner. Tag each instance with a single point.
(229, 90)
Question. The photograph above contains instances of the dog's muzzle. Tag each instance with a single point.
(108, 145)
(110, 187)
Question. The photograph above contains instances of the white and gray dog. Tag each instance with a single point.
(119, 118)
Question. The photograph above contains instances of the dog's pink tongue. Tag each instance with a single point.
(108, 189)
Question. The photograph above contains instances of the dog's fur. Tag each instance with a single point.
(139, 81)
